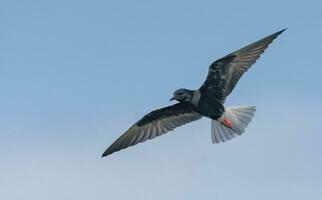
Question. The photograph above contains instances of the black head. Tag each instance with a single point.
(182, 95)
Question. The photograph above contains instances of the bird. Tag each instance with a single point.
(207, 101)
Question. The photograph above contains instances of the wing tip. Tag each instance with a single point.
(107, 152)
(273, 36)
(281, 31)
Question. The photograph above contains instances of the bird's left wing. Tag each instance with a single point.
(224, 73)
(154, 124)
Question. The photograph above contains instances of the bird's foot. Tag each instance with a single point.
(226, 122)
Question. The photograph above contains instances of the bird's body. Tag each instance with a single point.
(210, 107)
(207, 101)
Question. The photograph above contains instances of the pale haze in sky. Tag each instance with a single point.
(74, 75)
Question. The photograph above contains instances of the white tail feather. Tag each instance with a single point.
(239, 116)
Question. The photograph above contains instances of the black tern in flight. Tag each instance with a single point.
(207, 101)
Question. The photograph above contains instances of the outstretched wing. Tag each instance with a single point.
(224, 73)
(154, 124)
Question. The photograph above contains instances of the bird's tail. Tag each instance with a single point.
(233, 122)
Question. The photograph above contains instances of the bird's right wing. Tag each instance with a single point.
(224, 73)
(154, 124)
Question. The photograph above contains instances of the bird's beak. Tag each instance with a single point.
(173, 98)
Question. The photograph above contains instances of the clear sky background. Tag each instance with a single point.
(75, 74)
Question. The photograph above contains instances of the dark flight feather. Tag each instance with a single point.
(224, 73)
(154, 124)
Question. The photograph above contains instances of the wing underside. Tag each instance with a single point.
(224, 73)
(154, 124)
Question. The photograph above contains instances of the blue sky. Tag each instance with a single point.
(75, 74)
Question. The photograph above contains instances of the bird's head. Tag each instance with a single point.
(182, 95)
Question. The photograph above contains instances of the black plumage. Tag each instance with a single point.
(225, 72)
(173, 110)
(207, 101)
